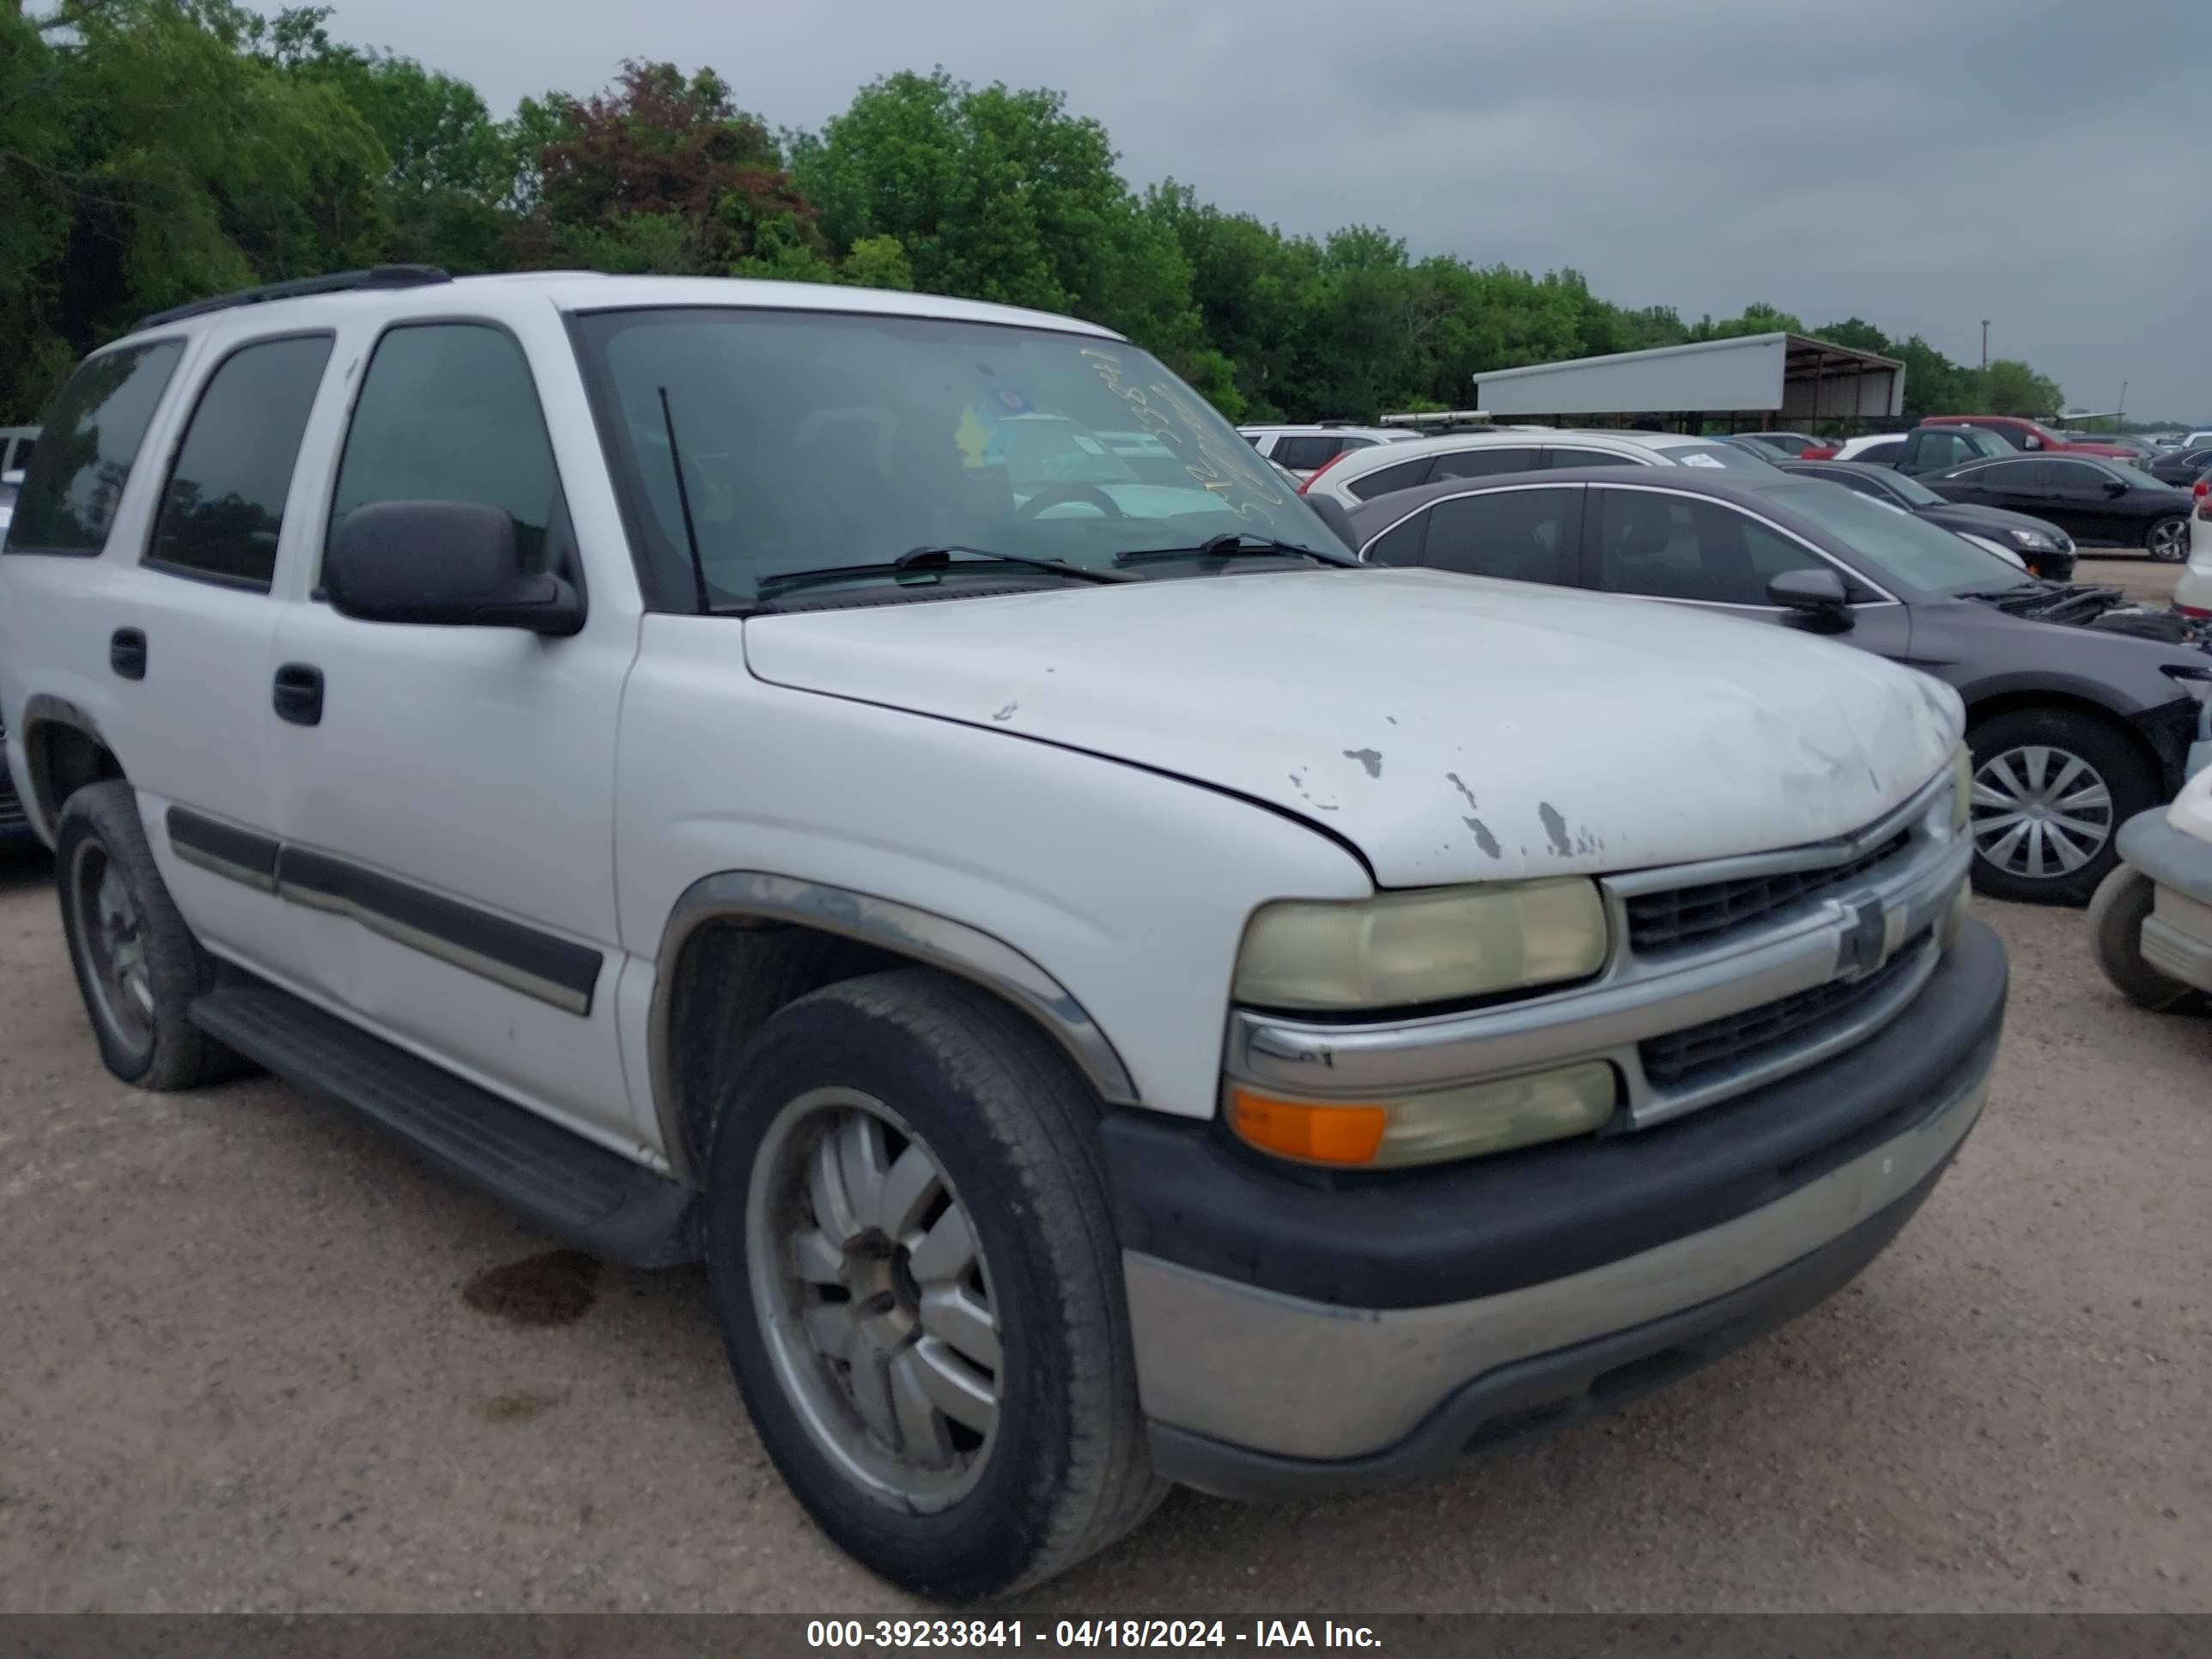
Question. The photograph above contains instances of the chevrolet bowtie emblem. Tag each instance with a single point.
(1870, 939)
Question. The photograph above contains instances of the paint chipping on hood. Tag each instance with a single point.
(1531, 731)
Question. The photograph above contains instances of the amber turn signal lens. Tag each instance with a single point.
(1349, 1135)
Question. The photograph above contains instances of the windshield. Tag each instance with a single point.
(818, 438)
(1726, 455)
(1912, 550)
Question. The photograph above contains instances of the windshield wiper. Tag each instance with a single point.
(1235, 544)
(929, 562)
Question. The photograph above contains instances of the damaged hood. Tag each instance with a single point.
(1451, 729)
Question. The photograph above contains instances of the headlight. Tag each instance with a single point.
(1401, 949)
(1467, 1121)
(1962, 788)
(2034, 541)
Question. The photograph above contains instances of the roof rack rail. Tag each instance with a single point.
(339, 281)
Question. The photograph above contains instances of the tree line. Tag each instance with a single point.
(157, 151)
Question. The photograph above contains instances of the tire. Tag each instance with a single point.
(2123, 900)
(2168, 540)
(950, 1508)
(2004, 750)
(137, 965)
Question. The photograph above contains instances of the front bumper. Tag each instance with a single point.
(2177, 936)
(1301, 1334)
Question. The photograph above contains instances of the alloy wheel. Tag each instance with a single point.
(2040, 811)
(871, 1288)
(2169, 541)
(111, 928)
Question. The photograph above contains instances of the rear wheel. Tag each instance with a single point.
(2051, 788)
(2124, 901)
(913, 1265)
(2168, 540)
(136, 963)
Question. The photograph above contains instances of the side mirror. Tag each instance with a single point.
(1818, 593)
(451, 564)
(2116, 486)
(1334, 514)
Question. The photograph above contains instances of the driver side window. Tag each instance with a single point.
(448, 412)
(1679, 547)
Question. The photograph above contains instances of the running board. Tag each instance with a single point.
(597, 1200)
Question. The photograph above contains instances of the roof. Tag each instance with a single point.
(584, 291)
(1452, 443)
(1745, 487)
(1795, 374)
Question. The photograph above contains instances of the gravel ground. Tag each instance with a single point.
(256, 1358)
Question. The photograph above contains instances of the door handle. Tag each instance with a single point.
(126, 653)
(297, 695)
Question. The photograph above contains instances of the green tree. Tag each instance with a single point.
(2009, 387)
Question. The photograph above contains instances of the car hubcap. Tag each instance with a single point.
(111, 930)
(2166, 540)
(872, 1289)
(2040, 812)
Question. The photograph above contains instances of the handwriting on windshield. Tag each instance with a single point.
(1233, 474)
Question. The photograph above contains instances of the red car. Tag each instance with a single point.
(2026, 434)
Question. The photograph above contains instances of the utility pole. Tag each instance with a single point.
(2124, 406)
(1985, 346)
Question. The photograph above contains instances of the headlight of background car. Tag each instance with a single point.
(2034, 541)
(1962, 787)
(1404, 950)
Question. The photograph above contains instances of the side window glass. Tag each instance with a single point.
(223, 507)
(1484, 462)
(1383, 480)
(1514, 535)
(69, 494)
(2073, 476)
(1402, 545)
(448, 412)
(1679, 548)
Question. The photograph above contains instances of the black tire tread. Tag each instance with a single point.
(1043, 1118)
(2123, 899)
(184, 1056)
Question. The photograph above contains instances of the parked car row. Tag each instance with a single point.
(1117, 990)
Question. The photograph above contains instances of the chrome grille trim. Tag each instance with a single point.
(1824, 938)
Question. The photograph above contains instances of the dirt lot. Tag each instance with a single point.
(255, 1357)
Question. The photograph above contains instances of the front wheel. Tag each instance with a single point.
(2123, 901)
(913, 1265)
(2051, 788)
(2168, 540)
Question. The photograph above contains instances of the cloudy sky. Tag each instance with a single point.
(1921, 163)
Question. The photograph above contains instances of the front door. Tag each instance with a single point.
(446, 793)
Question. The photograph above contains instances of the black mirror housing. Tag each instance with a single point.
(1334, 514)
(452, 564)
(2116, 486)
(1817, 592)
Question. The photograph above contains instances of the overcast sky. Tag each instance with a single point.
(1921, 163)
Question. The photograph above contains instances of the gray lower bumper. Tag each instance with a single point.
(2169, 858)
(1252, 1393)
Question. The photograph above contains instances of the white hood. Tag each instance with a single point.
(1450, 729)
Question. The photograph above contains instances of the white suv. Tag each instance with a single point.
(1116, 992)
(1303, 451)
(1362, 475)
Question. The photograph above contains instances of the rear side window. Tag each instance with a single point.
(87, 448)
(1589, 457)
(1402, 545)
(1485, 463)
(1514, 535)
(1381, 481)
(223, 509)
(1303, 453)
(448, 412)
(1893, 450)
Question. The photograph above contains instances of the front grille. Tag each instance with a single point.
(1665, 921)
(1683, 1056)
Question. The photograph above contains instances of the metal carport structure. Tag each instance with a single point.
(1753, 380)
